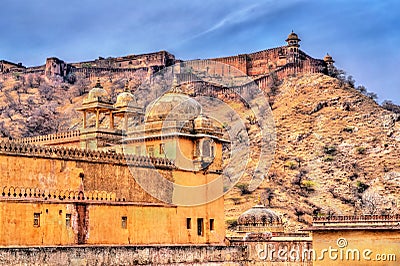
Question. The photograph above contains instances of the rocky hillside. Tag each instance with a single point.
(337, 150)
(337, 153)
(33, 105)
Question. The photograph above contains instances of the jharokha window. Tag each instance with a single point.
(68, 220)
(36, 219)
(162, 148)
(124, 222)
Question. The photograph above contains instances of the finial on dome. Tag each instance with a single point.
(328, 58)
(126, 86)
(98, 84)
(176, 87)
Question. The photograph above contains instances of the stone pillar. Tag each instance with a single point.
(84, 119)
(111, 120)
(97, 118)
(126, 122)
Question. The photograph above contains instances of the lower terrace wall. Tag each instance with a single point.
(282, 252)
(145, 255)
(125, 255)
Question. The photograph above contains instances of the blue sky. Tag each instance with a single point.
(362, 36)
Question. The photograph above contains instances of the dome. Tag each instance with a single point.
(125, 99)
(173, 106)
(97, 93)
(259, 215)
(328, 58)
(292, 37)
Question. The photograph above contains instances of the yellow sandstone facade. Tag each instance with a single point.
(92, 186)
(356, 240)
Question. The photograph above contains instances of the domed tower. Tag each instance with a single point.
(173, 106)
(97, 103)
(175, 128)
(260, 219)
(127, 107)
(329, 63)
(292, 48)
(293, 40)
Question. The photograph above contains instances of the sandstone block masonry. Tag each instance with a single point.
(125, 255)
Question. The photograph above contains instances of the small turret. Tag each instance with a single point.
(329, 63)
(293, 40)
(292, 49)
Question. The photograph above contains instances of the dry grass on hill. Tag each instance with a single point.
(337, 150)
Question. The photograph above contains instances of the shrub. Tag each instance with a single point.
(308, 184)
(348, 129)
(236, 201)
(331, 150)
(291, 165)
(244, 188)
(361, 187)
(231, 224)
(361, 150)
(328, 158)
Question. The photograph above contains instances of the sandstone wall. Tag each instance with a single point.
(124, 255)
(139, 255)
(50, 181)
(357, 247)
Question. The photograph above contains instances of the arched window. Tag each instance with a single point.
(206, 148)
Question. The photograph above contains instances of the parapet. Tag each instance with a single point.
(344, 222)
(69, 136)
(62, 153)
(21, 193)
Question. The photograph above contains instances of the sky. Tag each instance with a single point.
(361, 36)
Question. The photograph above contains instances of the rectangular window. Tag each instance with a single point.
(124, 222)
(162, 148)
(36, 219)
(188, 223)
(200, 225)
(68, 220)
(138, 150)
(150, 150)
(211, 224)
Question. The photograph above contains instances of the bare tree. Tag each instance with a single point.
(82, 85)
(299, 212)
(38, 79)
(4, 131)
(46, 91)
(231, 115)
(267, 195)
(29, 80)
(388, 105)
(372, 202)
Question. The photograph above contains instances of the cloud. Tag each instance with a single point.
(231, 19)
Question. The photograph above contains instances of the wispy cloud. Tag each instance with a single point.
(231, 19)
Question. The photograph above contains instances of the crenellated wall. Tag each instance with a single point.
(277, 60)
